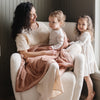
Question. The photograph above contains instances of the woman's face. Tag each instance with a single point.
(33, 15)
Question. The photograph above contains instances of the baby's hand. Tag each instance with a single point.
(50, 48)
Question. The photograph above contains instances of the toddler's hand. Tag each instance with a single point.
(50, 48)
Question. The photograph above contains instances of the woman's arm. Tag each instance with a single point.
(45, 48)
(38, 53)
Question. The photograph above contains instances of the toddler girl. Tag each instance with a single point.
(84, 27)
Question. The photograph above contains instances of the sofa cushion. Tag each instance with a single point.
(69, 28)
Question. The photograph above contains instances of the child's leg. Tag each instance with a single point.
(91, 92)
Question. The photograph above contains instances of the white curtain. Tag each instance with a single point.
(97, 31)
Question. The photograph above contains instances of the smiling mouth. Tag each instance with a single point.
(81, 29)
(34, 20)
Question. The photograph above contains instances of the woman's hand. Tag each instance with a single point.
(27, 54)
(50, 52)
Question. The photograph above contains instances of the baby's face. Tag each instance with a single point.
(54, 23)
(82, 25)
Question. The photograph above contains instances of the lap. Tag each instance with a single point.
(74, 49)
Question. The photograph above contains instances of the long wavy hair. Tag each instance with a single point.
(21, 18)
(89, 27)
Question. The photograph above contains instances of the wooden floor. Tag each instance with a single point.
(8, 98)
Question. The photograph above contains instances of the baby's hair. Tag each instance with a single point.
(89, 27)
(59, 14)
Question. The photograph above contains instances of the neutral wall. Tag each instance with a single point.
(75, 8)
(72, 9)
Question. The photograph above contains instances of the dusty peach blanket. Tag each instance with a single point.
(31, 72)
(33, 69)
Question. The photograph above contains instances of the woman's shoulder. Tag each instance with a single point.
(42, 24)
(20, 37)
(43, 27)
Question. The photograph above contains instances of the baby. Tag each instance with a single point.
(57, 35)
(58, 40)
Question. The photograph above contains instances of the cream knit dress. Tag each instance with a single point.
(90, 63)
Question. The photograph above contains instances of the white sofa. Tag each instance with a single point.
(72, 81)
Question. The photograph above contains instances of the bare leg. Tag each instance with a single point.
(91, 92)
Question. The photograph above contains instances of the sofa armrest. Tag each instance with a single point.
(15, 62)
(79, 73)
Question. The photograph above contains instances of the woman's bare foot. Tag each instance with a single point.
(90, 96)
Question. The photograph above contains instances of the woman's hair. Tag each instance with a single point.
(59, 15)
(89, 27)
(21, 18)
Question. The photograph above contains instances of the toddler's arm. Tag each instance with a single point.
(45, 48)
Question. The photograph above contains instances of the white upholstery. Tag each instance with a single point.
(72, 81)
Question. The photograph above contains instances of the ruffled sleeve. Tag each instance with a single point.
(84, 38)
(21, 43)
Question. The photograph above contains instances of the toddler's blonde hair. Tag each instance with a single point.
(59, 14)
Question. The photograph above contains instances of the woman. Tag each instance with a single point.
(25, 31)
(25, 22)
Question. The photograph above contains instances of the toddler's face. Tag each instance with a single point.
(82, 25)
(54, 23)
